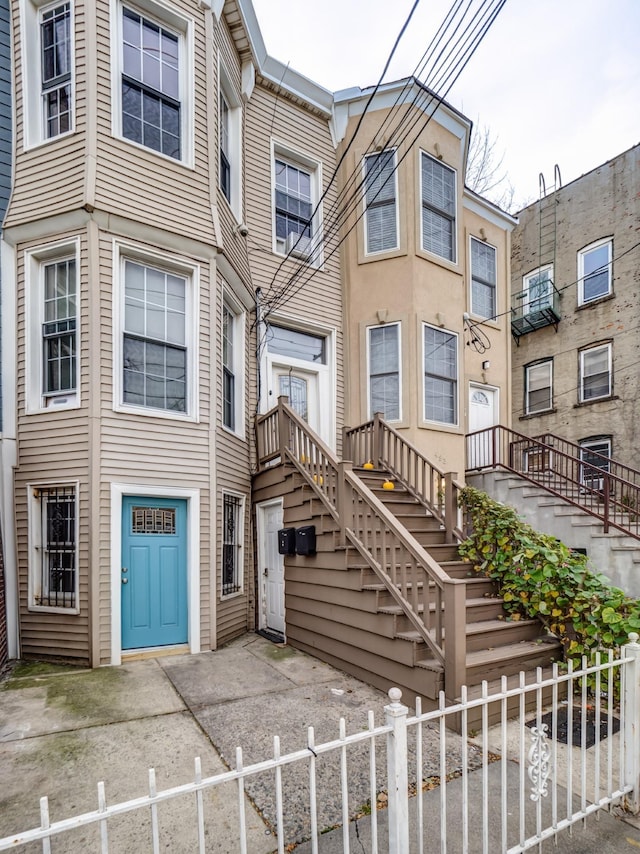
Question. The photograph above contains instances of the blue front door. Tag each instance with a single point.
(154, 572)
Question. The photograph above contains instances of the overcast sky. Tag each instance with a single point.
(556, 81)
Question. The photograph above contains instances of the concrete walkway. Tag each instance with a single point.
(61, 733)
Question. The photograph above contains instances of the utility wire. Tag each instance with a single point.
(331, 227)
(293, 285)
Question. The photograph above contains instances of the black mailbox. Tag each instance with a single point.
(287, 541)
(306, 540)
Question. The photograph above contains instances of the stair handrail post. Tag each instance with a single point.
(494, 446)
(607, 501)
(283, 423)
(450, 505)
(345, 501)
(631, 653)
(376, 443)
(455, 637)
(346, 443)
(397, 773)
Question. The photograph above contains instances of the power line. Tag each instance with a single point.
(290, 288)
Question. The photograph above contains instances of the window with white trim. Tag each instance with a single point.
(438, 207)
(232, 543)
(538, 387)
(381, 192)
(48, 70)
(538, 290)
(232, 366)
(152, 79)
(483, 279)
(594, 272)
(230, 144)
(156, 368)
(595, 457)
(52, 303)
(596, 373)
(440, 375)
(296, 191)
(383, 352)
(53, 562)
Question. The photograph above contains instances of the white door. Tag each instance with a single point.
(301, 387)
(483, 413)
(270, 566)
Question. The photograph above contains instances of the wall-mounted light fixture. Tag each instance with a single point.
(486, 365)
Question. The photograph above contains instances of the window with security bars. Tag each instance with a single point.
(380, 201)
(231, 544)
(59, 327)
(438, 208)
(56, 583)
(55, 64)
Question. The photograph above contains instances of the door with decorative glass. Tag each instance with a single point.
(154, 572)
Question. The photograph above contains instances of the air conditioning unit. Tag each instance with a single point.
(299, 246)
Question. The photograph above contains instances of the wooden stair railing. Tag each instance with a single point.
(610, 494)
(387, 449)
(434, 603)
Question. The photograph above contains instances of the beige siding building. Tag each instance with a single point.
(575, 281)
(180, 251)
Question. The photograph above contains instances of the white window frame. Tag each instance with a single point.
(309, 250)
(456, 380)
(182, 26)
(37, 550)
(233, 151)
(483, 282)
(36, 399)
(123, 252)
(397, 325)
(586, 352)
(238, 363)
(377, 202)
(547, 363)
(589, 445)
(31, 12)
(239, 546)
(581, 276)
(528, 283)
(439, 211)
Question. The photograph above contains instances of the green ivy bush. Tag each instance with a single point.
(540, 577)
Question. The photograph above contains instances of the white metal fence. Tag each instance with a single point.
(480, 800)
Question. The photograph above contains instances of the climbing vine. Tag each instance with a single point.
(540, 577)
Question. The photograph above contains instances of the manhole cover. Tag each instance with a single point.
(563, 726)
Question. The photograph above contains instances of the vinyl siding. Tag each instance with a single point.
(317, 295)
(235, 614)
(152, 450)
(138, 183)
(53, 448)
(46, 185)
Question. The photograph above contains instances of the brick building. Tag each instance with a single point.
(576, 312)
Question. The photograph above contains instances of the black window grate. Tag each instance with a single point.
(58, 569)
(231, 543)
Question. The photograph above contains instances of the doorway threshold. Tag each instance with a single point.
(154, 652)
(270, 635)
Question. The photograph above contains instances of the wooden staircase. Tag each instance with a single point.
(496, 644)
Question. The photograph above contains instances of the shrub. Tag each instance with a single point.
(540, 577)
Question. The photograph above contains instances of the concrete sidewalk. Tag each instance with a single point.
(62, 733)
